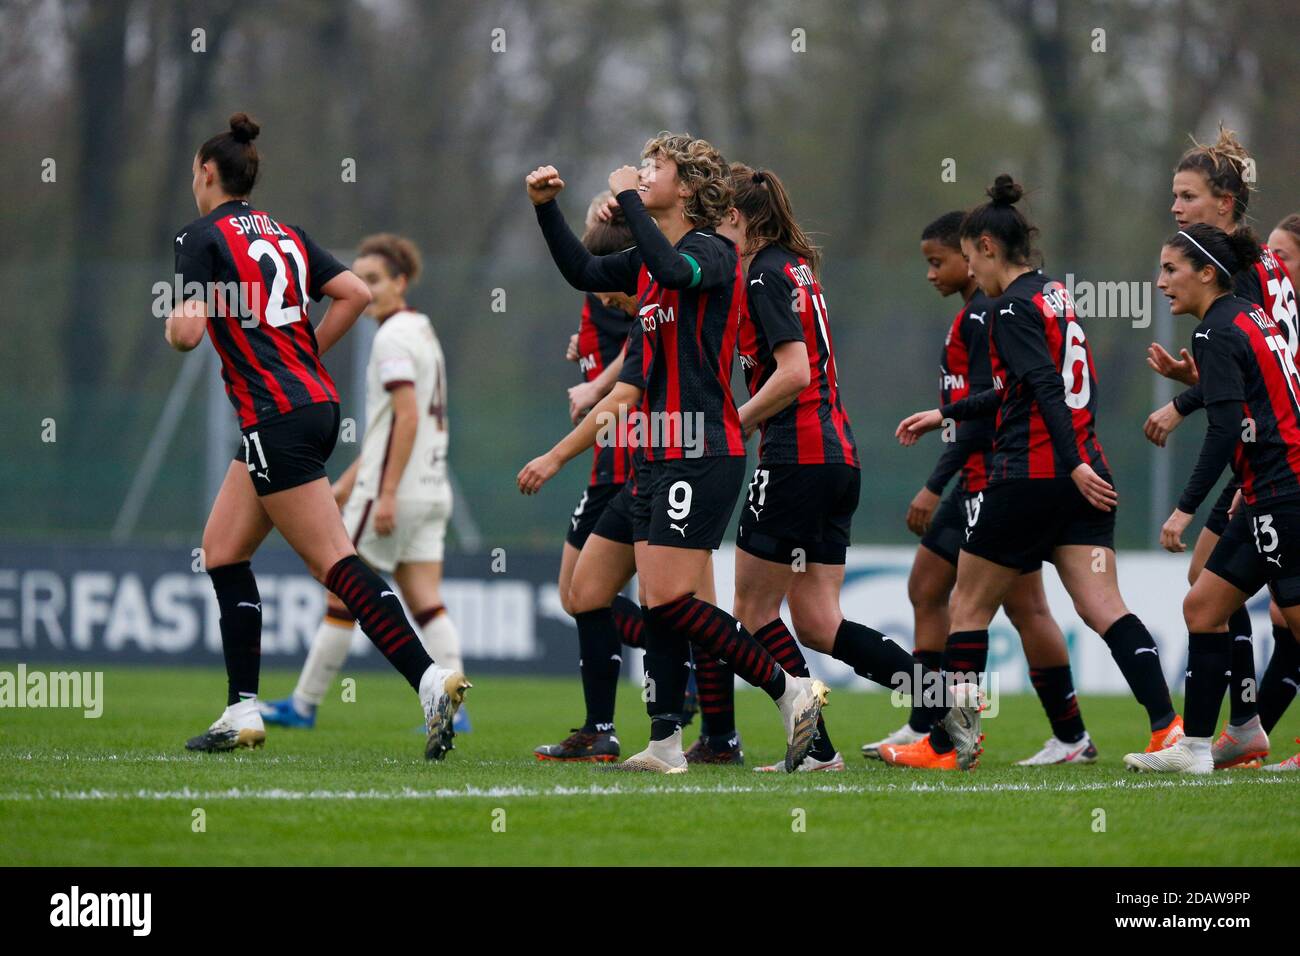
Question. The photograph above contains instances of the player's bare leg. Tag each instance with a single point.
(1206, 610)
(236, 527)
(595, 582)
(1049, 670)
(308, 517)
(1089, 576)
(677, 616)
(954, 740)
(929, 589)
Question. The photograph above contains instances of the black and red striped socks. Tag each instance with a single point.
(241, 627)
(629, 622)
(780, 643)
(721, 635)
(716, 686)
(965, 656)
(1055, 689)
(379, 612)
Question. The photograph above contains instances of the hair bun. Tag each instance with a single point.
(1005, 191)
(243, 128)
(759, 178)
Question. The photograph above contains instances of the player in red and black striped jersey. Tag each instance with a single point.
(246, 280)
(1049, 497)
(965, 369)
(1211, 186)
(598, 558)
(795, 521)
(1251, 393)
(688, 282)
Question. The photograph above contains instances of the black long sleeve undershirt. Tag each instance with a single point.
(1221, 438)
(668, 267)
(582, 270)
(976, 405)
(1049, 393)
(950, 462)
(1189, 400)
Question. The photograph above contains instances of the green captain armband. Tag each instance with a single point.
(695, 270)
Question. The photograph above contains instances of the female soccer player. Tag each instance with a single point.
(396, 497)
(289, 416)
(688, 282)
(1211, 186)
(794, 525)
(1277, 688)
(598, 559)
(964, 368)
(1049, 495)
(1247, 380)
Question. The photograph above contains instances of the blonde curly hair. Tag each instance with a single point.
(1224, 164)
(702, 169)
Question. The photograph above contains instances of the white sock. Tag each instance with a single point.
(669, 748)
(442, 641)
(1197, 744)
(324, 660)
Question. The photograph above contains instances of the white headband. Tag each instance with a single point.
(1207, 253)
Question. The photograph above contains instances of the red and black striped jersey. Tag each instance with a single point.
(1267, 283)
(1044, 384)
(602, 336)
(965, 369)
(784, 302)
(687, 345)
(256, 276)
(1244, 359)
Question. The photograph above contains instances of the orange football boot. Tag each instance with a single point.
(920, 755)
(1160, 739)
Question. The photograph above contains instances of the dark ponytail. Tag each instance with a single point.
(1206, 245)
(1000, 219)
(235, 155)
(762, 200)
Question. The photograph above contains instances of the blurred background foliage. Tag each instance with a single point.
(442, 128)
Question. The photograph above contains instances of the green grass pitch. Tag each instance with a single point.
(121, 789)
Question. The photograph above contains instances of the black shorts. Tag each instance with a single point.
(615, 521)
(1261, 545)
(947, 532)
(803, 508)
(595, 499)
(1018, 523)
(290, 449)
(1218, 519)
(686, 502)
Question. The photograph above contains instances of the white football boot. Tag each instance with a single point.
(810, 764)
(659, 756)
(801, 705)
(442, 691)
(963, 723)
(1244, 746)
(1056, 750)
(1189, 755)
(1290, 763)
(240, 725)
(902, 736)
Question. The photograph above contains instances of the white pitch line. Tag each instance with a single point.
(597, 790)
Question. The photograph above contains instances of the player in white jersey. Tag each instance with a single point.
(396, 496)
